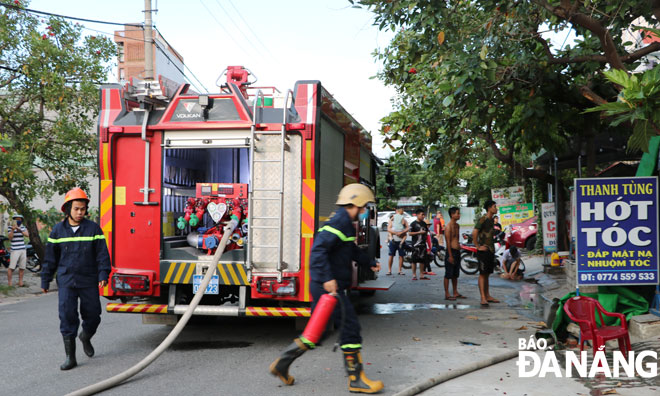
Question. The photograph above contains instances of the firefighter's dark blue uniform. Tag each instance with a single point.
(332, 257)
(81, 261)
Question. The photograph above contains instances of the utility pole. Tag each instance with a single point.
(148, 42)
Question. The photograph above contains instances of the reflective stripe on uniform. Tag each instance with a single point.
(76, 239)
(307, 342)
(351, 346)
(338, 233)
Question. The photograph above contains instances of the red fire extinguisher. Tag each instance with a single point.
(319, 320)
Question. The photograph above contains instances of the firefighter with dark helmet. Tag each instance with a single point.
(76, 251)
(331, 271)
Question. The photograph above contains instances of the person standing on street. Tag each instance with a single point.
(418, 230)
(429, 249)
(453, 256)
(331, 271)
(497, 226)
(18, 257)
(397, 228)
(482, 235)
(439, 226)
(77, 252)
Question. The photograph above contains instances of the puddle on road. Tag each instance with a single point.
(193, 345)
(391, 308)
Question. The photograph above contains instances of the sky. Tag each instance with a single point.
(280, 41)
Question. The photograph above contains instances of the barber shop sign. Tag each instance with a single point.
(617, 231)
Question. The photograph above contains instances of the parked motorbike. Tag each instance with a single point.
(408, 255)
(469, 261)
(439, 253)
(4, 253)
(407, 247)
(33, 263)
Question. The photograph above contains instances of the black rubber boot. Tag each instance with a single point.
(280, 367)
(357, 380)
(70, 350)
(87, 344)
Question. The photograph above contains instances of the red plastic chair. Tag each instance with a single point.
(582, 310)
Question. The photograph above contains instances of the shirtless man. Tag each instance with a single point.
(453, 255)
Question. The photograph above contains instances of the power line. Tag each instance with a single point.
(109, 34)
(166, 55)
(68, 81)
(112, 34)
(238, 27)
(184, 65)
(197, 79)
(9, 68)
(223, 27)
(177, 67)
(156, 44)
(250, 29)
(18, 8)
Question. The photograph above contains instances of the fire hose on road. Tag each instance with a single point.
(121, 377)
(444, 377)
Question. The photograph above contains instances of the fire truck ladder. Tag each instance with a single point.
(256, 194)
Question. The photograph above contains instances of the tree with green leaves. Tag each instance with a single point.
(472, 73)
(49, 75)
(403, 169)
(433, 185)
(637, 104)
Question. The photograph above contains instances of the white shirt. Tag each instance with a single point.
(507, 257)
(397, 226)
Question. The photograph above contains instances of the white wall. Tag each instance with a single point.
(168, 67)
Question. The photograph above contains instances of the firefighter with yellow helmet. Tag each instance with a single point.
(76, 251)
(331, 271)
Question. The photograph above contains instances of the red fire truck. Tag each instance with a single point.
(176, 165)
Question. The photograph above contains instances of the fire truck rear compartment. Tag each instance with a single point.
(187, 162)
(184, 167)
(182, 170)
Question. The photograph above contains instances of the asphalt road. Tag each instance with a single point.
(411, 333)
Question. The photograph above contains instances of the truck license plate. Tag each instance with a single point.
(212, 288)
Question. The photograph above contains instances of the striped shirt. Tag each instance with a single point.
(17, 242)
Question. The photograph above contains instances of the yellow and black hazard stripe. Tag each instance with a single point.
(181, 273)
(278, 311)
(137, 308)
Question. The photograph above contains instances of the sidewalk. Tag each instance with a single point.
(536, 294)
(15, 294)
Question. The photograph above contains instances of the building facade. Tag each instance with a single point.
(131, 60)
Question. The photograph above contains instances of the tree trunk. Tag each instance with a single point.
(591, 154)
(543, 177)
(35, 240)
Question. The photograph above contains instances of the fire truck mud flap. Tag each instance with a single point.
(207, 310)
(376, 284)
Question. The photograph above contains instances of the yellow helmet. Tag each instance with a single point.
(355, 194)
